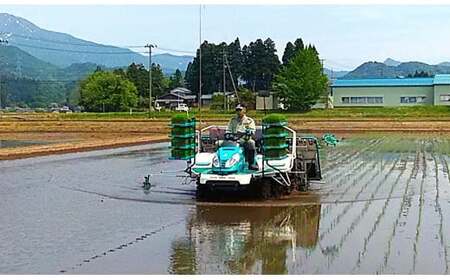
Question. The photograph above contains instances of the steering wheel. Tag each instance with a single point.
(228, 136)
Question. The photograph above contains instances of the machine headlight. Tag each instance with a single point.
(232, 161)
(215, 161)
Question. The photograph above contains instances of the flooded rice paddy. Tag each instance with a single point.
(382, 207)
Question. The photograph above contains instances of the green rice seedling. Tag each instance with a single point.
(180, 142)
(182, 131)
(275, 131)
(180, 118)
(274, 141)
(275, 153)
(275, 120)
(182, 153)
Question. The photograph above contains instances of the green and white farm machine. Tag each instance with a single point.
(215, 158)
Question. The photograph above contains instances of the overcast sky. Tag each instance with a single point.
(345, 36)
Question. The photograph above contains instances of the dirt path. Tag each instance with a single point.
(60, 143)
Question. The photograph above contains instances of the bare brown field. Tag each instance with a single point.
(63, 136)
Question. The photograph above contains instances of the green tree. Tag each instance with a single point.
(235, 60)
(289, 52)
(301, 83)
(138, 75)
(211, 72)
(107, 91)
(291, 49)
(248, 97)
(261, 64)
(176, 80)
(213, 67)
(217, 102)
(191, 77)
(160, 83)
(120, 72)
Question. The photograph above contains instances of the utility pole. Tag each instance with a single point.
(232, 79)
(225, 104)
(150, 46)
(321, 62)
(200, 62)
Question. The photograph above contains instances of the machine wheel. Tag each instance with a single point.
(288, 190)
(277, 190)
(265, 189)
(304, 184)
(295, 177)
(203, 191)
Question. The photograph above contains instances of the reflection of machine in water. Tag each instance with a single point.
(230, 239)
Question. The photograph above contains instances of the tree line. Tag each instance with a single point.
(122, 89)
(298, 79)
(25, 92)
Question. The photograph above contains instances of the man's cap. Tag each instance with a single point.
(240, 106)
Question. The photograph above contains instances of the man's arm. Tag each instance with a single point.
(230, 125)
(250, 127)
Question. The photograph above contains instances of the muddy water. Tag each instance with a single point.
(382, 207)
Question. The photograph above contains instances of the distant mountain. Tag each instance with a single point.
(62, 49)
(16, 63)
(59, 48)
(444, 64)
(170, 63)
(391, 62)
(334, 74)
(380, 70)
(29, 80)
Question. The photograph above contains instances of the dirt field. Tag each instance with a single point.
(74, 135)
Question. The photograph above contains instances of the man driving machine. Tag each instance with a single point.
(245, 128)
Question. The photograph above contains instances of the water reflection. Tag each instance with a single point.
(241, 240)
(19, 143)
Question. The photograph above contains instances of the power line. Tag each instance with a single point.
(175, 50)
(95, 52)
(17, 79)
(74, 51)
(338, 64)
(94, 45)
(91, 45)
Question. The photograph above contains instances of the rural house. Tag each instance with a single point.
(175, 96)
